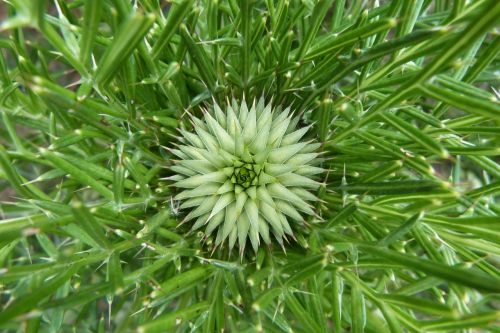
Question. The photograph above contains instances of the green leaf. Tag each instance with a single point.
(173, 319)
(183, 280)
(126, 40)
(469, 104)
(176, 14)
(86, 220)
(13, 176)
(199, 57)
(486, 320)
(29, 300)
(400, 231)
(335, 42)
(393, 187)
(57, 159)
(91, 18)
(115, 272)
(415, 134)
(358, 310)
(469, 278)
(298, 310)
(419, 304)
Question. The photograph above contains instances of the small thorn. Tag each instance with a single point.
(213, 250)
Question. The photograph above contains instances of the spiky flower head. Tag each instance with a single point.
(245, 173)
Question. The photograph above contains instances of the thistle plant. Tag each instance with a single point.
(362, 135)
(245, 170)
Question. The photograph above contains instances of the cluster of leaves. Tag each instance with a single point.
(246, 175)
(399, 92)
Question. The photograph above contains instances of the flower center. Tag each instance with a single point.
(245, 175)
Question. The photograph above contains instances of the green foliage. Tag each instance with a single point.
(245, 174)
(401, 94)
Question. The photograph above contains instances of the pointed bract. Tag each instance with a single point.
(244, 172)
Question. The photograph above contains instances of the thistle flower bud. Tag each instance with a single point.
(245, 174)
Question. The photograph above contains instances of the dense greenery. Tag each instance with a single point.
(400, 94)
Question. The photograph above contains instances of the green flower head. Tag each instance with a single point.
(245, 173)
